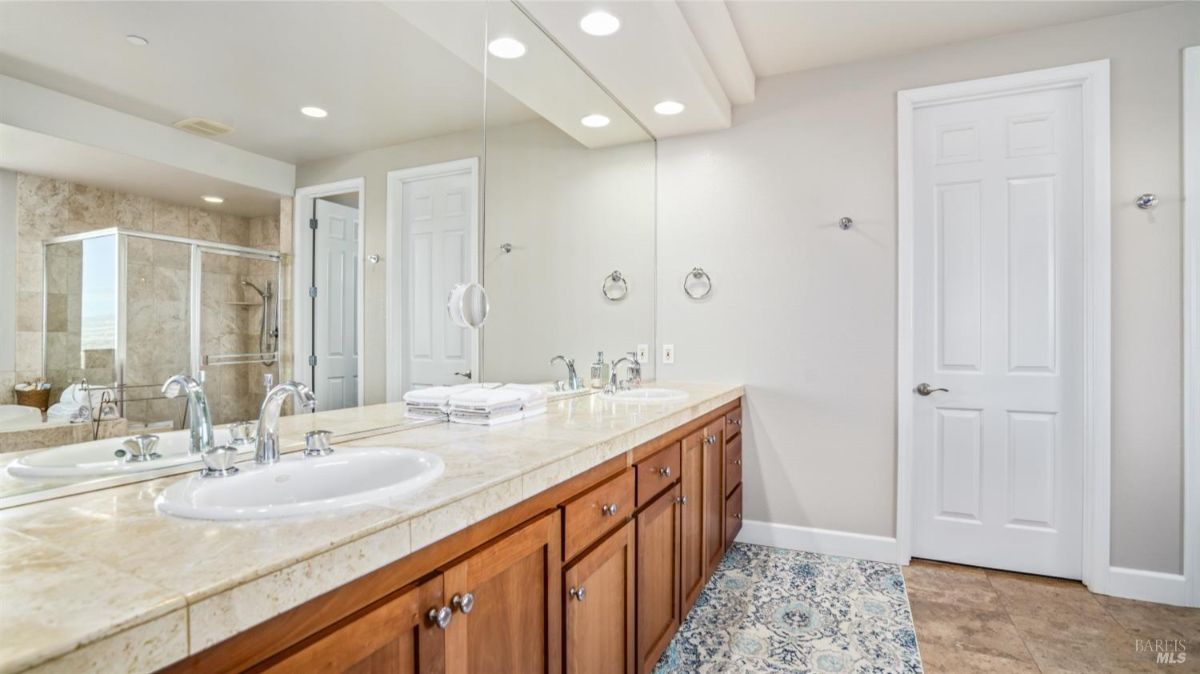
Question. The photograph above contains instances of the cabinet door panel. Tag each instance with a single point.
(714, 498)
(733, 464)
(692, 513)
(515, 623)
(391, 637)
(658, 566)
(599, 617)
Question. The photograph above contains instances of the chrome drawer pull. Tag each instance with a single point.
(665, 471)
(440, 616)
(609, 509)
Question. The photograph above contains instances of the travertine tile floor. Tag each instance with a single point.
(976, 620)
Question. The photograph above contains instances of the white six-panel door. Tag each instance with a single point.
(335, 376)
(998, 320)
(437, 222)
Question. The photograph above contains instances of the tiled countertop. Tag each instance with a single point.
(101, 578)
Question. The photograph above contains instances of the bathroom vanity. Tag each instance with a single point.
(576, 541)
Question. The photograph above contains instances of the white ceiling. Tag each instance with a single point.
(31, 152)
(252, 65)
(781, 37)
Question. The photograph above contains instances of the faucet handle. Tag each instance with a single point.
(218, 461)
(139, 448)
(316, 443)
(241, 432)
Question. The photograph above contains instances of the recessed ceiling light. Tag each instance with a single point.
(136, 40)
(213, 199)
(600, 24)
(594, 121)
(313, 111)
(669, 108)
(506, 48)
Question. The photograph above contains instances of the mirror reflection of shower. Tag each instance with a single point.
(268, 332)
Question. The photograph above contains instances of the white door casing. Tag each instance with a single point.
(433, 229)
(301, 278)
(1004, 287)
(335, 346)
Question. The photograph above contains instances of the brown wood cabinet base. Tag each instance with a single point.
(576, 578)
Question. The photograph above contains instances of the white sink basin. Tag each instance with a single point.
(97, 458)
(648, 395)
(303, 486)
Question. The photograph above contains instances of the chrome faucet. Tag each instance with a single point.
(199, 419)
(573, 383)
(635, 374)
(266, 450)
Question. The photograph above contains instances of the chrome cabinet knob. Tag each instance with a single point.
(925, 389)
(463, 602)
(440, 616)
(577, 593)
(738, 422)
(682, 500)
(737, 462)
(738, 516)
(665, 471)
(710, 439)
(609, 509)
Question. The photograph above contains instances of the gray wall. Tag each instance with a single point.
(8, 281)
(804, 314)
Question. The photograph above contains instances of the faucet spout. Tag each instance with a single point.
(267, 448)
(573, 383)
(199, 418)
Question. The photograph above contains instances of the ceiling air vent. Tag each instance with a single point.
(203, 127)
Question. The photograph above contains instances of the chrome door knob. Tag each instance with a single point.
(577, 593)
(464, 602)
(925, 389)
(440, 616)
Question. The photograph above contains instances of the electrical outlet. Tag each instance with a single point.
(643, 353)
(668, 353)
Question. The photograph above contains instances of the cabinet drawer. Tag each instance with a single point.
(733, 516)
(657, 473)
(733, 423)
(733, 463)
(591, 515)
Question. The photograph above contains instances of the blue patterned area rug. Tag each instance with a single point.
(773, 610)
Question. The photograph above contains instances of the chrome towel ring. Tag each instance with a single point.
(614, 286)
(702, 280)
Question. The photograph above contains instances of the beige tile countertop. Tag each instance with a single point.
(97, 579)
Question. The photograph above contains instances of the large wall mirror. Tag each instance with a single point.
(248, 210)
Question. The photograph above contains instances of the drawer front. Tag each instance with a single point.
(591, 515)
(657, 473)
(733, 423)
(733, 463)
(733, 516)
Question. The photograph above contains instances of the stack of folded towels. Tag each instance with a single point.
(491, 405)
(482, 404)
(433, 402)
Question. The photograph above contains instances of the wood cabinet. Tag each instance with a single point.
(592, 576)
(598, 614)
(507, 604)
(658, 566)
(714, 496)
(691, 488)
(392, 636)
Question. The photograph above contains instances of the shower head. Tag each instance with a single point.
(256, 289)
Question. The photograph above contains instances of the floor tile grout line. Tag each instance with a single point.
(1007, 614)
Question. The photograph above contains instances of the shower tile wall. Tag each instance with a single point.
(157, 289)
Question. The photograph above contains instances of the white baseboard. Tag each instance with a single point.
(824, 541)
(1155, 586)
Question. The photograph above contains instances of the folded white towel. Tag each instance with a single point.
(503, 398)
(438, 395)
(483, 419)
(68, 411)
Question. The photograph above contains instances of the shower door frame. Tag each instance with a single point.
(197, 247)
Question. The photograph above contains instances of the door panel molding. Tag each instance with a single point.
(1092, 79)
(1191, 322)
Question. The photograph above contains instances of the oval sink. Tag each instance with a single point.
(648, 395)
(303, 486)
(97, 458)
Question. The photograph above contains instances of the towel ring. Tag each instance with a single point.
(697, 273)
(614, 292)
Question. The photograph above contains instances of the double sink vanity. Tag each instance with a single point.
(576, 540)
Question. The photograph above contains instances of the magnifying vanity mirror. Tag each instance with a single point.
(365, 217)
